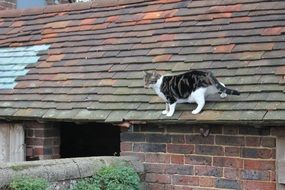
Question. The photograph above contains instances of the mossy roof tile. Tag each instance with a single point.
(84, 62)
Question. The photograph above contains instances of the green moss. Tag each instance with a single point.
(28, 183)
(22, 167)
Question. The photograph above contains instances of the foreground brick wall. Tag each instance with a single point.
(179, 158)
(42, 141)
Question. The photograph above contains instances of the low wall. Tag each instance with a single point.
(63, 170)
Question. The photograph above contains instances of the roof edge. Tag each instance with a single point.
(11, 13)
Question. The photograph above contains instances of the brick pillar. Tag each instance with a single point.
(42, 141)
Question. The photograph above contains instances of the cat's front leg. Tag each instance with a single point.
(171, 109)
(199, 98)
(164, 112)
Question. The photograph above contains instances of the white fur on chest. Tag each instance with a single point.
(157, 90)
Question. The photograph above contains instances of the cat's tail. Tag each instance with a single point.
(221, 87)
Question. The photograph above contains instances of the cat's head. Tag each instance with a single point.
(150, 78)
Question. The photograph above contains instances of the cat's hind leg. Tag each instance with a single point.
(199, 97)
(171, 109)
(223, 95)
(164, 112)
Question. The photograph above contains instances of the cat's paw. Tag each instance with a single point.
(169, 114)
(223, 95)
(164, 112)
(195, 112)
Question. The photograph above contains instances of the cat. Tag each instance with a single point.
(191, 86)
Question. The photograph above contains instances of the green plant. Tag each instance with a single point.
(117, 178)
(111, 178)
(86, 184)
(28, 183)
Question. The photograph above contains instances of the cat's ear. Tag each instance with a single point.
(144, 73)
(155, 73)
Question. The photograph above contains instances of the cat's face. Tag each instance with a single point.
(150, 79)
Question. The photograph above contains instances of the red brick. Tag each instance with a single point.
(208, 171)
(154, 168)
(185, 180)
(38, 151)
(155, 186)
(257, 153)
(157, 178)
(177, 159)
(157, 158)
(259, 165)
(252, 141)
(174, 187)
(180, 148)
(178, 139)
(255, 175)
(140, 156)
(268, 142)
(206, 182)
(232, 173)
(232, 151)
(179, 169)
(250, 185)
(126, 146)
(199, 139)
(198, 160)
(228, 162)
(209, 150)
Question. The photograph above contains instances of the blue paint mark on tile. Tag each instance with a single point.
(13, 62)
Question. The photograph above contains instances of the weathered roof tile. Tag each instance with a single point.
(84, 62)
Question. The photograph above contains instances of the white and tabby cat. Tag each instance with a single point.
(192, 86)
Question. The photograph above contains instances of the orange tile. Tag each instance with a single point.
(88, 21)
(53, 58)
(153, 15)
(162, 58)
(112, 19)
(173, 19)
(60, 24)
(167, 37)
(223, 48)
(272, 31)
(225, 8)
(107, 82)
(169, 1)
(18, 24)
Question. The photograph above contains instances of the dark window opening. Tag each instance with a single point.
(89, 140)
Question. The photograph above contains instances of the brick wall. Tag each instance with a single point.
(42, 141)
(179, 158)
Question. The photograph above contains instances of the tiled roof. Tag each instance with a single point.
(92, 68)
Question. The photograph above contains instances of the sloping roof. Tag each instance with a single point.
(91, 68)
